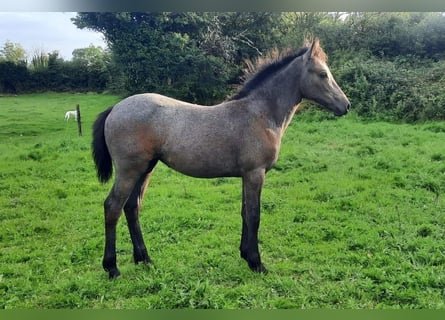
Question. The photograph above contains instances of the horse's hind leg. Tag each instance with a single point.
(132, 208)
(113, 205)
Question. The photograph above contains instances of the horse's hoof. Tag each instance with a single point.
(144, 260)
(113, 274)
(259, 268)
(262, 269)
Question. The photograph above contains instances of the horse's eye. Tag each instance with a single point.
(323, 74)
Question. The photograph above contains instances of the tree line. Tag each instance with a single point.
(87, 71)
(389, 64)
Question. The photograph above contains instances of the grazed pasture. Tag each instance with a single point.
(353, 217)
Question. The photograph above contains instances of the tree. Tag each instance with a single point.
(91, 67)
(13, 70)
(39, 60)
(89, 56)
(431, 31)
(13, 52)
(160, 52)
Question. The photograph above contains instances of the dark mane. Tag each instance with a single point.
(264, 68)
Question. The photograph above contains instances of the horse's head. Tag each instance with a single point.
(318, 84)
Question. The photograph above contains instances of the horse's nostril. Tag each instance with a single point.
(348, 106)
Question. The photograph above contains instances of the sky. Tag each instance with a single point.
(47, 31)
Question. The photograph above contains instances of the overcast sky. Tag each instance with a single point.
(47, 31)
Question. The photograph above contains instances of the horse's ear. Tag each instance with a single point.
(312, 50)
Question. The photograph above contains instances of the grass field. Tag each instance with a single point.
(353, 217)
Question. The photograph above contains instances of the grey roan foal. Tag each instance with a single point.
(240, 137)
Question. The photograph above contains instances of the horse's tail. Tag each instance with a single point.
(101, 155)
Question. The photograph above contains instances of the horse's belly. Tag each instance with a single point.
(201, 166)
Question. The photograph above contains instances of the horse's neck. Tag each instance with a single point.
(281, 95)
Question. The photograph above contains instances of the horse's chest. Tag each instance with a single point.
(261, 149)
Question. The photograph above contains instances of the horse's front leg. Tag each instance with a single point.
(250, 212)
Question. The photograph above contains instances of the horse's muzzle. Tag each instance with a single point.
(342, 112)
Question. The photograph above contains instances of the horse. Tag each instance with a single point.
(68, 114)
(240, 137)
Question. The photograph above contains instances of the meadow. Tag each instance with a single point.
(352, 217)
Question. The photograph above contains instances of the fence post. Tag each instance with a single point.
(79, 122)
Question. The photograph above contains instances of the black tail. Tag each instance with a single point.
(101, 155)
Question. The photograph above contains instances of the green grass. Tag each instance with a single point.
(353, 217)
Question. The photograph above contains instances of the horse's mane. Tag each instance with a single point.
(261, 68)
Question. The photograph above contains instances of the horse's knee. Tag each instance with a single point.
(108, 203)
(112, 211)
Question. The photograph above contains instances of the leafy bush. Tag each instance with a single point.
(398, 89)
(12, 76)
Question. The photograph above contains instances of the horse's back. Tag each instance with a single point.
(141, 104)
(152, 109)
